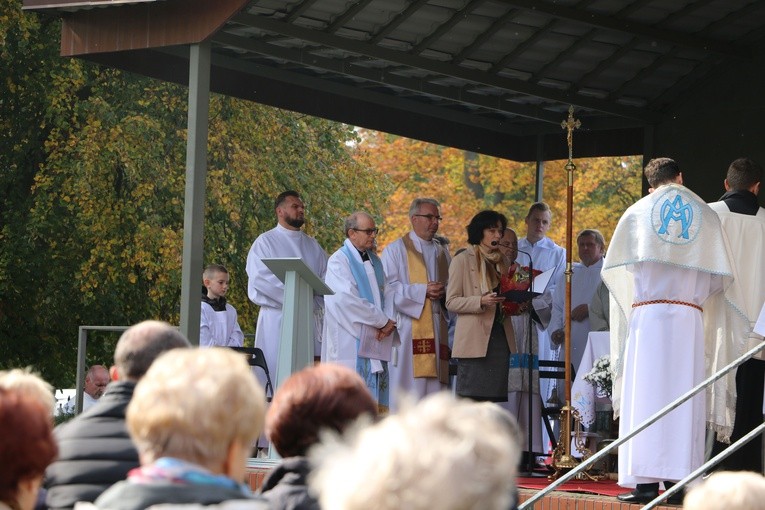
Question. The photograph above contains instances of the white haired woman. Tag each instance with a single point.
(444, 453)
(193, 418)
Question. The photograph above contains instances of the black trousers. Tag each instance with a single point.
(749, 391)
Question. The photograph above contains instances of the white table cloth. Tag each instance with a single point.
(583, 395)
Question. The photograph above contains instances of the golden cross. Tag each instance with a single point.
(421, 347)
(570, 124)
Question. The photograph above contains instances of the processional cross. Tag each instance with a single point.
(570, 124)
(563, 460)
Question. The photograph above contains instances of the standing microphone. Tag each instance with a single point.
(529, 421)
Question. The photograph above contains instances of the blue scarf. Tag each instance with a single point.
(360, 274)
(376, 382)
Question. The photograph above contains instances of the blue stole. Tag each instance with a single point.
(377, 383)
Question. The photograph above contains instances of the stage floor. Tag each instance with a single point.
(578, 495)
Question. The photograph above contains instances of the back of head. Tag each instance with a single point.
(325, 396)
(660, 171)
(141, 344)
(727, 490)
(29, 383)
(443, 453)
(743, 173)
(27, 445)
(193, 404)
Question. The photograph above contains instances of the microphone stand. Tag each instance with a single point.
(529, 365)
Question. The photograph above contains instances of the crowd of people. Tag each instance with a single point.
(372, 425)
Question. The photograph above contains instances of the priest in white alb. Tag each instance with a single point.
(667, 268)
(267, 291)
(417, 268)
(359, 331)
(584, 282)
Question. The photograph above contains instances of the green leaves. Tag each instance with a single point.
(93, 180)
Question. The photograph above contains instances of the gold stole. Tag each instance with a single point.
(423, 335)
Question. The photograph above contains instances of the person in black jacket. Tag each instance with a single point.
(95, 450)
(322, 397)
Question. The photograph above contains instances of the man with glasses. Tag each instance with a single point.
(358, 324)
(417, 266)
(266, 290)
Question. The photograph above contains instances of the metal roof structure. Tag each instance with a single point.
(489, 76)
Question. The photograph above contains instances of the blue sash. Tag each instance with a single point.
(378, 383)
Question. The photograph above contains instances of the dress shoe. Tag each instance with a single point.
(676, 499)
(638, 496)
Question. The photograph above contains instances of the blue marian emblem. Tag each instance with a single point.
(676, 211)
(676, 216)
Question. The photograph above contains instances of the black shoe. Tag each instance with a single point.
(676, 498)
(638, 496)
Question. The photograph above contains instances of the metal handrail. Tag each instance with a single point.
(704, 467)
(655, 417)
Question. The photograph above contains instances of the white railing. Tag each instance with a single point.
(655, 417)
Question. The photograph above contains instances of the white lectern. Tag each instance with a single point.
(296, 340)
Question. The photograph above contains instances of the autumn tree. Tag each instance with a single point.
(93, 205)
(466, 183)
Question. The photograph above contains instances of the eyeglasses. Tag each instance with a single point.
(367, 231)
(508, 245)
(431, 217)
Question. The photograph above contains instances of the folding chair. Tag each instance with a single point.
(256, 358)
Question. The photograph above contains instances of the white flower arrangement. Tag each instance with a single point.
(600, 376)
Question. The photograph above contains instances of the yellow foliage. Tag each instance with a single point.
(466, 183)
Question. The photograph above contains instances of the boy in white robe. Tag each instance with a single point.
(218, 325)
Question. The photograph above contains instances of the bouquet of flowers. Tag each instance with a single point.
(516, 278)
(600, 376)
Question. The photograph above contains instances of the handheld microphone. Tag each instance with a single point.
(494, 243)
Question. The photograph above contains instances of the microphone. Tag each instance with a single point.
(531, 268)
(494, 243)
(525, 253)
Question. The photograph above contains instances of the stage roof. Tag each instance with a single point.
(491, 76)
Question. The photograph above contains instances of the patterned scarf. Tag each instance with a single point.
(177, 471)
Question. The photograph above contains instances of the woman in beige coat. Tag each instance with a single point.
(483, 339)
